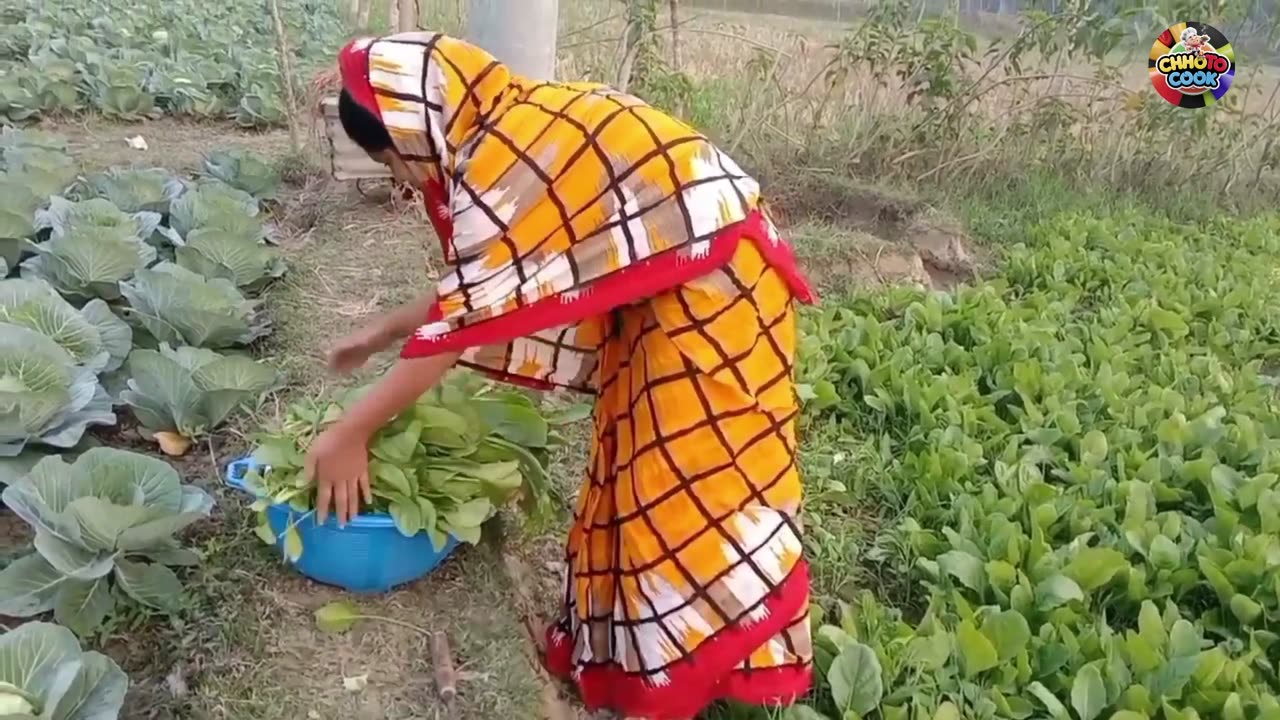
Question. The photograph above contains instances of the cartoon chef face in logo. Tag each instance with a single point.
(1191, 65)
(1195, 43)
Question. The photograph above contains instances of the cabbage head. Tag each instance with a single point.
(18, 206)
(148, 190)
(45, 397)
(179, 307)
(186, 392)
(46, 172)
(45, 674)
(215, 204)
(93, 335)
(217, 253)
(89, 261)
(104, 528)
(17, 102)
(31, 137)
(63, 215)
(245, 171)
(118, 91)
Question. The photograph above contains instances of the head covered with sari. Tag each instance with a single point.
(554, 202)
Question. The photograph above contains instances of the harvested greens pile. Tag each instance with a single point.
(443, 467)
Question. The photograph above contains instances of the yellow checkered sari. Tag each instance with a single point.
(596, 243)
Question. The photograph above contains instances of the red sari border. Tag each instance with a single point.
(708, 675)
(644, 279)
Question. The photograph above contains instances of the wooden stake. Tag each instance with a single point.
(442, 668)
(675, 34)
(285, 66)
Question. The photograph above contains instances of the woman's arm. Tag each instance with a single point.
(355, 349)
(402, 321)
(396, 392)
(338, 459)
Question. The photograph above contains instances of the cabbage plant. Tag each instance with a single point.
(217, 253)
(30, 137)
(90, 261)
(45, 397)
(44, 674)
(180, 307)
(136, 190)
(63, 215)
(243, 170)
(46, 172)
(215, 204)
(104, 528)
(18, 206)
(180, 394)
(93, 335)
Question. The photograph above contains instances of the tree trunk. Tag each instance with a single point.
(362, 18)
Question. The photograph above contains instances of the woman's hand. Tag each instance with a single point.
(338, 463)
(354, 350)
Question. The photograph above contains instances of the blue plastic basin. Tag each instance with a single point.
(369, 555)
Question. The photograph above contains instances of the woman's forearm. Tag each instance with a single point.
(396, 392)
(401, 322)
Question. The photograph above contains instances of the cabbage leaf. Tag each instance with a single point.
(89, 261)
(189, 391)
(244, 171)
(45, 674)
(93, 336)
(45, 397)
(179, 307)
(217, 253)
(104, 528)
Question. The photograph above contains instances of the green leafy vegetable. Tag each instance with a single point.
(93, 336)
(189, 391)
(106, 521)
(45, 674)
(443, 467)
(45, 397)
(217, 253)
(243, 170)
(90, 261)
(179, 307)
(133, 190)
(216, 205)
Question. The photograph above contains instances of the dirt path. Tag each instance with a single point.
(250, 650)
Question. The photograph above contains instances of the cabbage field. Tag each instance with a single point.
(130, 60)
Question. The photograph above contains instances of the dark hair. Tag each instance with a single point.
(363, 127)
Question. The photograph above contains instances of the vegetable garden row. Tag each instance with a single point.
(127, 59)
(1084, 454)
(134, 299)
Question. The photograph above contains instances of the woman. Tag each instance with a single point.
(597, 244)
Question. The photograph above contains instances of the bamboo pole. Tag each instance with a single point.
(285, 66)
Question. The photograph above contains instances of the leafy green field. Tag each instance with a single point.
(1078, 472)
